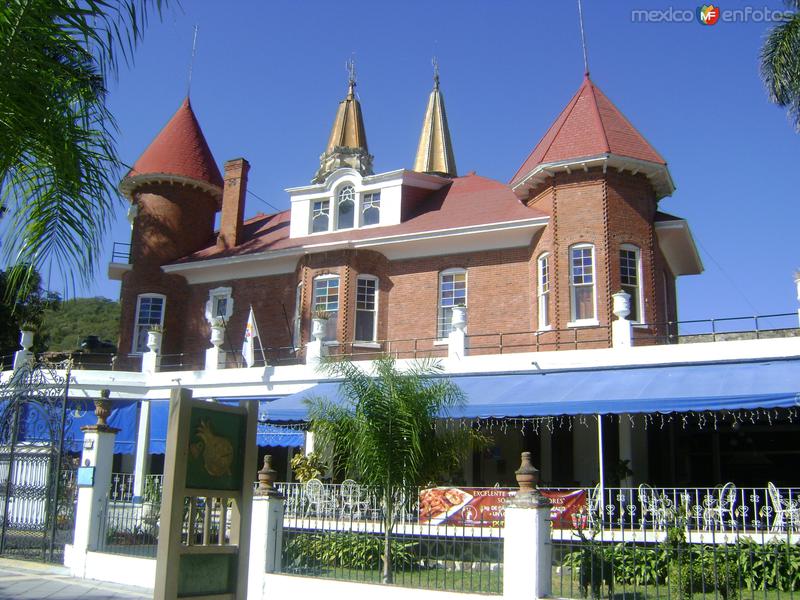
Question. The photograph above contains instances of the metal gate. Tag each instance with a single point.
(37, 487)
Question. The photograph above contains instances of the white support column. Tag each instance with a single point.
(142, 465)
(457, 340)
(626, 446)
(98, 452)
(25, 355)
(266, 540)
(546, 452)
(527, 550)
(797, 285)
(308, 446)
(621, 328)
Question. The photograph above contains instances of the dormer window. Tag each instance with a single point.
(320, 216)
(371, 209)
(345, 207)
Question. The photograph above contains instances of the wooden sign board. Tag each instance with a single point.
(204, 533)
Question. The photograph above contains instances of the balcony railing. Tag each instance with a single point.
(121, 253)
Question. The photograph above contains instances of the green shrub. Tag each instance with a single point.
(345, 550)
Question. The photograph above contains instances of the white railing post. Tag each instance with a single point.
(266, 531)
(152, 358)
(621, 329)
(215, 355)
(97, 455)
(457, 339)
(24, 356)
(527, 549)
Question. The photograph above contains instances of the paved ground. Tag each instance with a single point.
(20, 580)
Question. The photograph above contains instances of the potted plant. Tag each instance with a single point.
(154, 335)
(319, 321)
(217, 331)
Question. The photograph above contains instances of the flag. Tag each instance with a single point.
(250, 335)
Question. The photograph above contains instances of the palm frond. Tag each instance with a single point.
(780, 67)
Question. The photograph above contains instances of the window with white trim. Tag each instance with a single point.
(371, 209)
(581, 283)
(452, 292)
(346, 207)
(326, 299)
(630, 279)
(298, 315)
(543, 278)
(320, 215)
(366, 308)
(149, 312)
(220, 304)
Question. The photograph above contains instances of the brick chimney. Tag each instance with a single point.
(230, 227)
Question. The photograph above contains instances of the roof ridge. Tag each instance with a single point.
(598, 118)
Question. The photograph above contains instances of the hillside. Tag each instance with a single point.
(75, 319)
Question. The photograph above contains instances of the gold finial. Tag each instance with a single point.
(435, 63)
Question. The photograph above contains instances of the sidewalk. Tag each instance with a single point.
(22, 580)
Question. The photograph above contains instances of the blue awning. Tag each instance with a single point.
(266, 434)
(736, 385)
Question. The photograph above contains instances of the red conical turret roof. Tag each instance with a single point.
(590, 125)
(179, 150)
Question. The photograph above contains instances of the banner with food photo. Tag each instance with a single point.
(485, 507)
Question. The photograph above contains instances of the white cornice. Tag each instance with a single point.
(677, 244)
(657, 173)
(403, 176)
(129, 184)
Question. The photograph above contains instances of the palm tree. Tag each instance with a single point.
(386, 434)
(780, 63)
(58, 160)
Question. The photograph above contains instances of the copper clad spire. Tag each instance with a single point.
(435, 150)
(347, 144)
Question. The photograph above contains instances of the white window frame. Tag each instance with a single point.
(214, 296)
(543, 287)
(364, 197)
(338, 311)
(136, 325)
(297, 323)
(374, 310)
(354, 198)
(440, 310)
(329, 202)
(639, 296)
(575, 322)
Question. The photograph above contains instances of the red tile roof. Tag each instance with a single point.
(181, 149)
(589, 125)
(466, 201)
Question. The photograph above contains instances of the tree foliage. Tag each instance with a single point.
(780, 64)
(388, 433)
(58, 159)
(28, 308)
(68, 324)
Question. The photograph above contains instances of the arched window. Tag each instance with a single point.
(543, 279)
(345, 207)
(581, 283)
(149, 312)
(371, 209)
(366, 308)
(630, 278)
(326, 299)
(452, 292)
(320, 216)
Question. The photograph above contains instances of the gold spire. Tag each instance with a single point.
(347, 144)
(435, 150)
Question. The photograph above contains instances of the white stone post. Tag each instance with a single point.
(215, 355)
(457, 340)
(266, 532)
(98, 452)
(308, 446)
(621, 329)
(527, 550)
(142, 464)
(24, 356)
(315, 349)
(152, 358)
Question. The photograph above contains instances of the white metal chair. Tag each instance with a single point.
(594, 512)
(719, 507)
(786, 513)
(318, 503)
(353, 499)
(655, 507)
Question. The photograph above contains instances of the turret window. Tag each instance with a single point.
(366, 309)
(149, 312)
(452, 292)
(320, 216)
(345, 207)
(326, 300)
(543, 265)
(582, 292)
(629, 267)
(371, 209)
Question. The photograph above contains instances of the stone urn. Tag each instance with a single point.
(318, 325)
(622, 304)
(102, 408)
(26, 339)
(459, 317)
(217, 334)
(266, 477)
(154, 340)
(527, 474)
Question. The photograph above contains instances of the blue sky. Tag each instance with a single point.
(268, 77)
